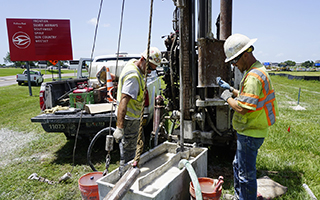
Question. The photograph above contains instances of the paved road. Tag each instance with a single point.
(11, 80)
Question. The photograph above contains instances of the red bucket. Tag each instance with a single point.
(207, 189)
(88, 186)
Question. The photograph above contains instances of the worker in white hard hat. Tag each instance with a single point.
(255, 109)
(130, 97)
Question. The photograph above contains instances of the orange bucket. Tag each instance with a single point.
(88, 186)
(207, 189)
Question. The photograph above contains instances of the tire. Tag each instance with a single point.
(19, 83)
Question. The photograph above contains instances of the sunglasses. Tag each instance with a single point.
(234, 61)
(150, 68)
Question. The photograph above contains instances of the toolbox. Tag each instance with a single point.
(81, 97)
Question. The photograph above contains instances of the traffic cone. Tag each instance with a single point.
(109, 85)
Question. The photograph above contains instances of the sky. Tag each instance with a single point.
(286, 29)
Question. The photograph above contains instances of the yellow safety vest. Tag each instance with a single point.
(132, 71)
(256, 94)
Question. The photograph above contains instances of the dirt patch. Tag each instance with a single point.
(11, 142)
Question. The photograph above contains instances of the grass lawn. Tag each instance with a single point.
(297, 73)
(290, 158)
(15, 71)
(293, 158)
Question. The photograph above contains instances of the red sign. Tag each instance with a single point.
(39, 39)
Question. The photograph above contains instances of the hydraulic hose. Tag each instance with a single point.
(93, 141)
(193, 176)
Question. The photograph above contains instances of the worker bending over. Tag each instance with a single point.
(255, 109)
(130, 97)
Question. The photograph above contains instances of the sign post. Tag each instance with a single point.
(28, 74)
(39, 39)
(59, 68)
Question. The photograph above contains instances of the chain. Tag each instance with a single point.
(108, 159)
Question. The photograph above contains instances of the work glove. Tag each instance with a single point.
(118, 134)
(226, 94)
(224, 84)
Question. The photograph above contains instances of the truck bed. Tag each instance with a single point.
(57, 94)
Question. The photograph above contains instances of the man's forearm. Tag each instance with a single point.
(122, 110)
(234, 105)
(235, 92)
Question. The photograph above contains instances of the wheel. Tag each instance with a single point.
(19, 83)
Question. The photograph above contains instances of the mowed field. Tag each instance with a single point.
(291, 158)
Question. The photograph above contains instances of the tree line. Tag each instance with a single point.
(290, 63)
(19, 64)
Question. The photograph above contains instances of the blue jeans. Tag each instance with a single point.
(244, 167)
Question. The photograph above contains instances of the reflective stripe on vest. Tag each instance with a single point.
(265, 102)
(132, 111)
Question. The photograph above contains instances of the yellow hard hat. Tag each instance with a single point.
(154, 55)
(236, 44)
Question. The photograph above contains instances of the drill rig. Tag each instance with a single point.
(193, 64)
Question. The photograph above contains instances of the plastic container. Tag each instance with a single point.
(88, 186)
(83, 90)
(77, 100)
(207, 189)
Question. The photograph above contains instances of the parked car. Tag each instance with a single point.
(35, 77)
(52, 68)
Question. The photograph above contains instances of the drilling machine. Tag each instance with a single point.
(192, 65)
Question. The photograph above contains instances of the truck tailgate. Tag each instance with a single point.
(68, 123)
(73, 118)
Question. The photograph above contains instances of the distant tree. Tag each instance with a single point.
(7, 59)
(282, 64)
(308, 64)
(290, 63)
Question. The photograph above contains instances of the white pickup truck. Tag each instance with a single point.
(57, 93)
(35, 77)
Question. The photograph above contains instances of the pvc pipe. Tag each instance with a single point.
(193, 176)
(123, 185)
(305, 186)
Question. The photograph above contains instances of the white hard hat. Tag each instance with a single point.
(154, 55)
(236, 44)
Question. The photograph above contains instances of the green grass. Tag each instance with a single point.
(15, 71)
(10, 71)
(294, 156)
(49, 154)
(290, 158)
(297, 73)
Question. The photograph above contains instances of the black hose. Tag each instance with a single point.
(93, 141)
